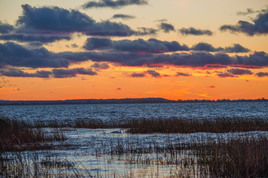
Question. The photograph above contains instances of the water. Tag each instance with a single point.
(115, 112)
(91, 150)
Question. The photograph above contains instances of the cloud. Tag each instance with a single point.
(236, 48)
(123, 16)
(155, 46)
(74, 45)
(98, 66)
(5, 28)
(225, 75)
(44, 38)
(137, 74)
(20, 73)
(236, 71)
(59, 20)
(183, 74)
(113, 3)
(166, 27)
(145, 31)
(56, 73)
(12, 54)
(258, 59)
(17, 55)
(257, 27)
(49, 24)
(67, 73)
(142, 46)
(153, 73)
(204, 47)
(193, 31)
(262, 74)
(211, 86)
(98, 43)
(251, 11)
(247, 12)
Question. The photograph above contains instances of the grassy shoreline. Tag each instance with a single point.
(229, 157)
(173, 125)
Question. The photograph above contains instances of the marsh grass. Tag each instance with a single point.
(220, 125)
(233, 157)
(24, 165)
(17, 135)
(171, 125)
(225, 157)
(241, 157)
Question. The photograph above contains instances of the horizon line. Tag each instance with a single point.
(261, 98)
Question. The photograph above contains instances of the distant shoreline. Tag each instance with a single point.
(119, 101)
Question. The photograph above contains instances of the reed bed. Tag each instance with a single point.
(171, 125)
(17, 135)
(24, 165)
(220, 125)
(241, 157)
(224, 157)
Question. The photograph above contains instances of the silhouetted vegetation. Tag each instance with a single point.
(223, 157)
(23, 165)
(20, 135)
(241, 157)
(220, 125)
(135, 126)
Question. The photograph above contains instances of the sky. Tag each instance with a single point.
(100, 49)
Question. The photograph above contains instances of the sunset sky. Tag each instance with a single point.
(99, 49)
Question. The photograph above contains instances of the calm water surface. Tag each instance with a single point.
(111, 112)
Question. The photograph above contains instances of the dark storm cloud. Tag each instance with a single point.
(236, 48)
(56, 73)
(123, 16)
(153, 73)
(12, 33)
(225, 75)
(262, 74)
(166, 27)
(183, 74)
(20, 73)
(204, 47)
(149, 46)
(5, 28)
(44, 38)
(67, 73)
(137, 74)
(257, 27)
(259, 59)
(193, 31)
(98, 43)
(59, 20)
(113, 3)
(100, 66)
(155, 46)
(236, 71)
(15, 55)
